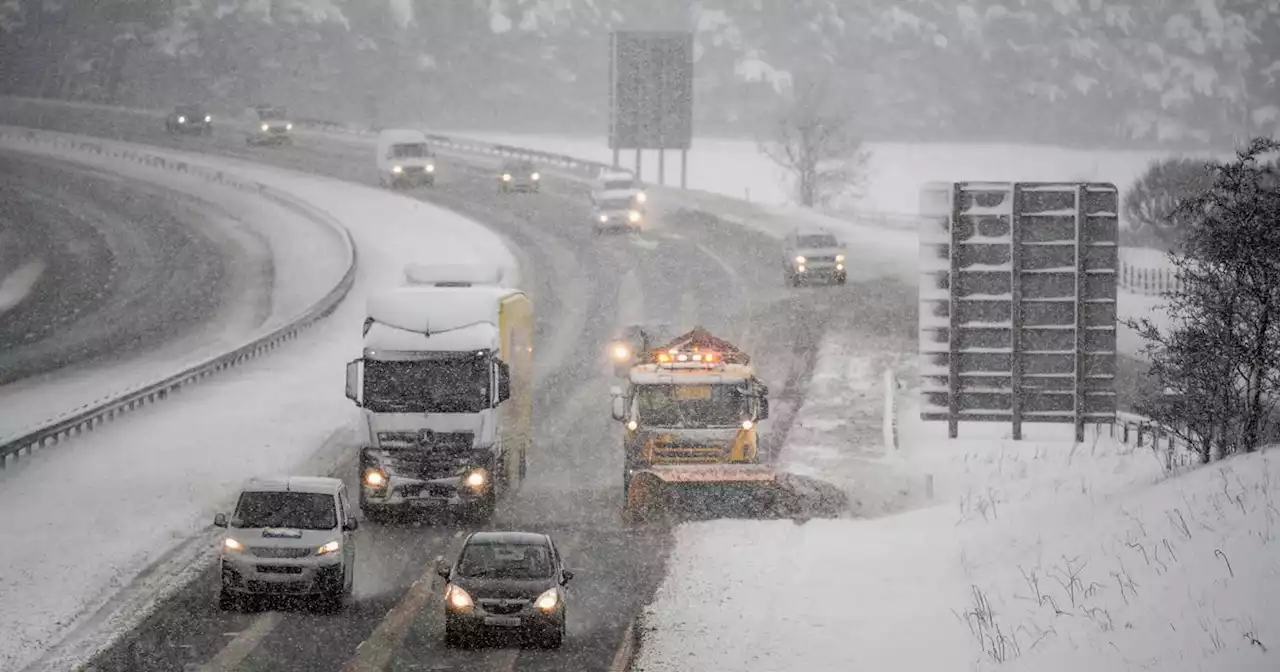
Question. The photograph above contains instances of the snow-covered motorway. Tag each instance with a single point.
(691, 269)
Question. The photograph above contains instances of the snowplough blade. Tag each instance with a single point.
(706, 491)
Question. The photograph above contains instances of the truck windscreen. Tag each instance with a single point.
(820, 242)
(619, 185)
(427, 386)
(411, 151)
(690, 406)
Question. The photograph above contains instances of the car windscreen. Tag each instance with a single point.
(454, 385)
(271, 114)
(418, 150)
(619, 185)
(819, 241)
(615, 204)
(518, 167)
(295, 510)
(691, 406)
(505, 561)
(190, 111)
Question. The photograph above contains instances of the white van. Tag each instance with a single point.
(613, 184)
(291, 535)
(267, 125)
(405, 158)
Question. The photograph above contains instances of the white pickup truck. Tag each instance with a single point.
(813, 255)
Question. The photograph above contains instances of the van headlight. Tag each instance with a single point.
(839, 258)
(604, 219)
(633, 216)
(182, 120)
(208, 118)
(288, 127)
(397, 169)
(329, 548)
(431, 167)
(641, 197)
(535, 177)
(799, 260)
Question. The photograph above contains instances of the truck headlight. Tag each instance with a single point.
(799, 260)
(288, 127)
(604, 219)
(839, 258)
(641, 197)
(375, 478)
(506, 177)
(431, 167)
(839, 267)
(397, 169)
(633, 216)
(265, 128)
(535, 177)
(208, 118)
(476, 479)
(632, 425)
(232, 545)
(548, 601)
(329, 548)
(182, 120)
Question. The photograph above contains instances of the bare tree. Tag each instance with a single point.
(814, 138)
(1219, 362)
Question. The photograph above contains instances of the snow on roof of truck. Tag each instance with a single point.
(386, 339)
(426, 308)
(473, 274)
(315, 484)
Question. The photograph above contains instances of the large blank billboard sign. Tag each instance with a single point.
(1018, 302)
(651, 90)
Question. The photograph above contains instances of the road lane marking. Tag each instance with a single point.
(18, 285)
(626, 649)
(243, 644)
(376, 652)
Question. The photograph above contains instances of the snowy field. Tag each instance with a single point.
(1033, 555)
(305, 263)
(172, 466)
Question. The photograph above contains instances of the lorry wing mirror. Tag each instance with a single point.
(619, 410)
(355, 372)
(504, 381)
(764, 409)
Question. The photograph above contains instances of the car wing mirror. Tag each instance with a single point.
(442, 569)
(566, 575)
(220, 520)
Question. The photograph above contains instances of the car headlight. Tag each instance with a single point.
(288, 127)
(839, 267)
(431, 167)
(535, 177)
(182, 120)
(397, 169)
(800, 268)
(839, 258)
(641, 197)
(266, 127)
(604, 219)
(506, 177)
(799, 260)
(232, 545)
(633, 216)
(476, 478)
(548, 601)
(208, 118)
(375, 477)
(457, 598)
(329, 548)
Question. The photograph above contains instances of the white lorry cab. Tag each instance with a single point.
(612, 184)
(445, 388)
(405, 159)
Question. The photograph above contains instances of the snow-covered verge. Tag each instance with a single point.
(1041, 554)
(139, 493)
(308, 258)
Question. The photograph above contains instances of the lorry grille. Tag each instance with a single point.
(690, 454)
(434, 455)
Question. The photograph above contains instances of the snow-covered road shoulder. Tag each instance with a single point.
(143, 489)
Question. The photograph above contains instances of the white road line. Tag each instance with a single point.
(243, 644)
(18, 285)
(626, 649)
(630, 300)
(377, 651)
(688, 310)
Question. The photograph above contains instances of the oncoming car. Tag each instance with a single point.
(616, 214)
(506, 581)
(288, 536)
(813, 256)
(189, 119)
(519, 175)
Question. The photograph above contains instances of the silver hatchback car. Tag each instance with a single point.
(289, 536)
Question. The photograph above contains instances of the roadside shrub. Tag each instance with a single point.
(1151, 203)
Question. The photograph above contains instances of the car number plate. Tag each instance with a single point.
(425, 503)
(503, 621)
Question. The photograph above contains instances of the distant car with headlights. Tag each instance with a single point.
(613, 183)
(405, 159)
(506, 582)
(189, 119)
(519, 175)
(268, 125)
(813, 256)
(290, 535)
(631, 342)
(616, 214)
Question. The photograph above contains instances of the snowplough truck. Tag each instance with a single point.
(690, 412)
